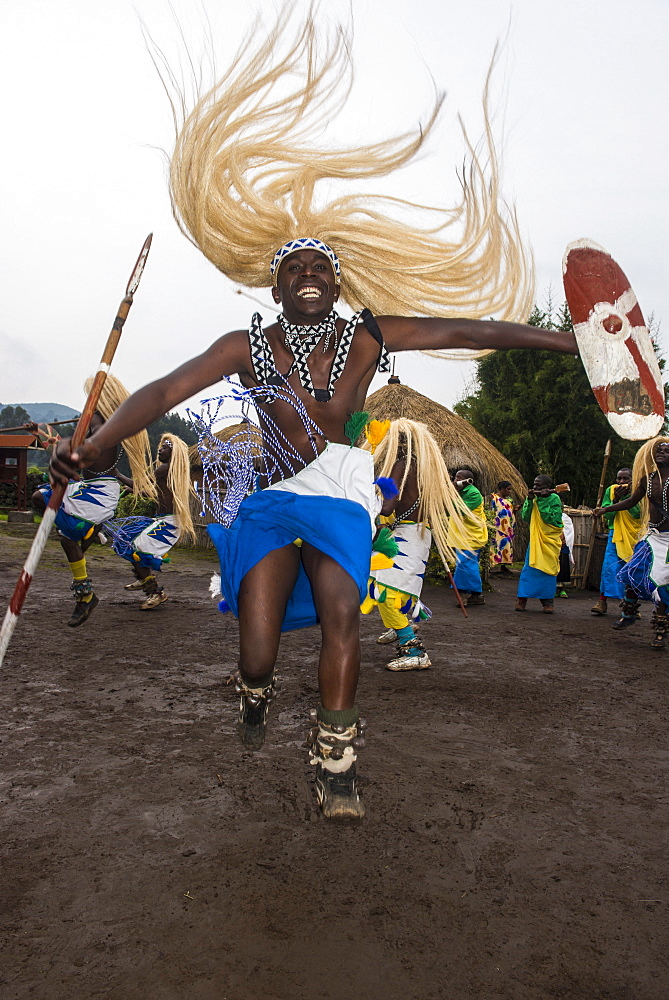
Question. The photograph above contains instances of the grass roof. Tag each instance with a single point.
(462, 446)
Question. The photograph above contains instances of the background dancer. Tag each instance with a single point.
(410, 456)
(543, 511)
(145, 541)
(624, 526)
(93, 496)
(242, 183)
(468, 539)
(646, 575)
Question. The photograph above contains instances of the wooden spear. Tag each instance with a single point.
(33, 558)
(457, 592)
(26, 427)
(600, 494)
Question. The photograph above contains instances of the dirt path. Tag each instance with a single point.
(516, 840)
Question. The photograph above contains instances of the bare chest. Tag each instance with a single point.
(658, 495)
(346, 393)
(165, 496)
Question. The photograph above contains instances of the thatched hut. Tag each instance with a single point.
(462, 446)
(202, 539)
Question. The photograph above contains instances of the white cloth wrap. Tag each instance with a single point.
(659, 544)
(342, 472)
(568, 531)
(408, 570)
(93, 500)
(159, 537)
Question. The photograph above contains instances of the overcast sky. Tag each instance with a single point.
(582, 96)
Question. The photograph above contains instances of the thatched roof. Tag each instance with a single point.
(463, 447)
(224, 435)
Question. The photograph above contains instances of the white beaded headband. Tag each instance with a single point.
(304, 243)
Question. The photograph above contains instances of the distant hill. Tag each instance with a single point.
(46, 412)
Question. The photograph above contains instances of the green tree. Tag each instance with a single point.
(171, 423)
(538, 409)
(14, 416)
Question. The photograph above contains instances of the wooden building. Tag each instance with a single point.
(14, 470)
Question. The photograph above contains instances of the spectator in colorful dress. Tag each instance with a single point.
(504, 513)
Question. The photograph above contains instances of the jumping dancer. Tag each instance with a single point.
(646, 576)
(145, 541)
(410, 456)
(94, 494)
(242, 182)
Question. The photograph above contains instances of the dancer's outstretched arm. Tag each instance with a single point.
(404, 333)
(629, 502)
(227, 356)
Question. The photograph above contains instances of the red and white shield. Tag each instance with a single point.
(613, 341)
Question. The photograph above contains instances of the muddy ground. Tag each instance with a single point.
(515, 846)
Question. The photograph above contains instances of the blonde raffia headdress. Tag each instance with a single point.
(441, 506)
(643, 468)
(137, 447)
(246, 166)
(179, 483)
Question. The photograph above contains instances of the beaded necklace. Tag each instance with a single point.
(665, 499)
(309, 336)
(94, 474)
(303, 340)
(302, 347)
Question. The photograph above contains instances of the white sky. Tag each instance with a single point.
(583, 92)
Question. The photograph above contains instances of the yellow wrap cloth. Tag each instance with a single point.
(545, 544)
(475, 534)
(625, 534)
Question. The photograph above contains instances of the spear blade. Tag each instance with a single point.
(138, 269)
